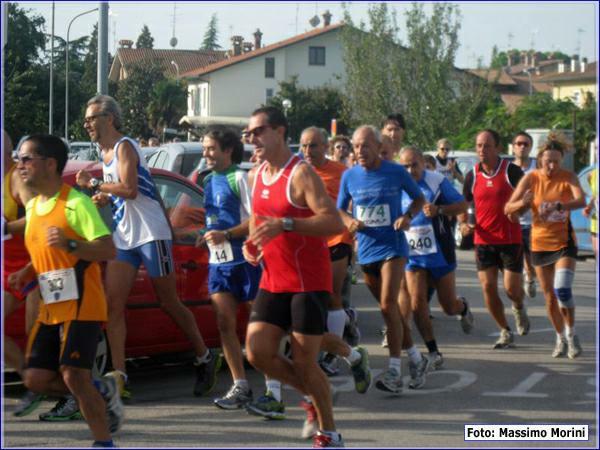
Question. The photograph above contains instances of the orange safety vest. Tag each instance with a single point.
(90, 305)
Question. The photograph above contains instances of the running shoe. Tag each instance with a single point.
(361, 371)
(437, 360)
(574, 347)
(65, 409)
(114, 406)
(267, 406)
(206, 374)
(390, 381)
(354, 277)
(521, 320)
(506, 340)
(97, 444)
(321, 440)
(466, 319)
(237, 397)
(351, 330)
(560, 349)
(418, 372)
(529, 287)
(122, 383)
(330, 365)
(28, 403)
(311, 424)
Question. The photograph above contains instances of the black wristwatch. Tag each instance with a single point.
(72, 245)
(287, 223)
(227, 235)
(95, 183)
(409, 214)
(559, 206)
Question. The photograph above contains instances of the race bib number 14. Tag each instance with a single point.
(374, 216)
(221, 253)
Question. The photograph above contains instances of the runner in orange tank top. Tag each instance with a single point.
(552, 192)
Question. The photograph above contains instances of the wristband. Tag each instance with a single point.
(228, 235)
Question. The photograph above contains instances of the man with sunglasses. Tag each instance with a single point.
(142, 234)
(66, 239)
(446, 165)
(521, 145)
(292, 216)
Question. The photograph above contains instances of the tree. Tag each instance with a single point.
(167, 105)
(211, 37)
(310, 106)
(418, 80)
(145, 39)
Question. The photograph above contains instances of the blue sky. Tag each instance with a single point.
(549, 25)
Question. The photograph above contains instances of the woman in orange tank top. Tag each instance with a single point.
(552, 192)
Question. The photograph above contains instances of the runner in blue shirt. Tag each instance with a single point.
(375, 189)
(432, 257)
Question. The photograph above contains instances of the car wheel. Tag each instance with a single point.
(101, 359)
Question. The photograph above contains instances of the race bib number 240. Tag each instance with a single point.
(375, 215)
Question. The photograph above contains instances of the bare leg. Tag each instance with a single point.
(489, 284)
(225, 306)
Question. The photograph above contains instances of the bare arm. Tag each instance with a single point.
(101, 249)
(453, 209)
(578, 200)
(521, 199)
(22, 194)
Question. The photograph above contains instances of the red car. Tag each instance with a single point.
(149, 330)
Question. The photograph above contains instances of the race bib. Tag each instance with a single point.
(221, 253)
(374, 216)
(421, 240)
(58, 286)
(554, 216)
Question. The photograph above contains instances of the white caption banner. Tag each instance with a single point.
(474, 432)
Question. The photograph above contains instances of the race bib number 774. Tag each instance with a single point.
(375, 215)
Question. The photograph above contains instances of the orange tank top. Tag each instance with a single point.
(71, 287)
(556, 231)
(331, 174)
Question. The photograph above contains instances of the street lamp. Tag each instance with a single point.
(177, 69)
(67, 71)
(287, 104)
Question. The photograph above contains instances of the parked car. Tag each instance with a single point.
(178, 157)
(198, 174)
(84, 151)
(150, 331)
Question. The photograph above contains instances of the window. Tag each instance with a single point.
(269, 93)
(269, 67)
(316, 56)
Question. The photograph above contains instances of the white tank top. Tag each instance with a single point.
(142, 219)
(526, 219)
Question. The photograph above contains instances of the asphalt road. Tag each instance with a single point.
(478, 385)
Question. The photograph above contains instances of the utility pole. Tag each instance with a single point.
(51, 99)
(102, 79)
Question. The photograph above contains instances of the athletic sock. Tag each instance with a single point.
(202, 359)
(569, 331)
(353, 357)
(334, 435)
(274, 387)
(335, 322)
(414, 354)
(395, 363)
(243, 383)
(431, 346)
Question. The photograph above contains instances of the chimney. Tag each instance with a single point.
(247, 47)
(574, 63)
(237, 45)
(525, 58)
(257, 38)
(326, 18)
(583, 64)
(561, 67)
(126, 43)
(536, 59)
(513, 58)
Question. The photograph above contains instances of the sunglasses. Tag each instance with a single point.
(90, 119)
(258, 131)
(446, 149)
(522, 144)
(26, 159)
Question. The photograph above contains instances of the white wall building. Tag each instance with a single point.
(229, 90)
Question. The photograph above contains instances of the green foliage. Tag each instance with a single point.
(211, 37)
(500, 59)
(418, 80)
(145, 39)
(168, 103)
(310, 106)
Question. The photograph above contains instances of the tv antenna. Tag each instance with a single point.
(578, 49)
(173, 41)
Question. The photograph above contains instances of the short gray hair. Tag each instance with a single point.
(372, 129)
(108, 105)
(413, 149)
(319, 131)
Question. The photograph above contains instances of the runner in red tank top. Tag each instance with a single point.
(497, 237)
(291, 217)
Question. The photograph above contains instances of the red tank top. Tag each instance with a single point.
(490, 194)
(292, 262)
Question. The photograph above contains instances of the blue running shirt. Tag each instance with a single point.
(376, 197)
(431, 241)
(227, 204)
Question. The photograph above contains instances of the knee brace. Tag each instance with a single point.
(563, 280)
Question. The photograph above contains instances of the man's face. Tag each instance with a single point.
(443, 150)
(313, 148)
(413, 164)
(522, 147)
(366, 148)
(264, 137)
(96, 122)
(34, 169)
(216, 158)
(486, 148)
(395, 132)
(387, 149)
(340, 151)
